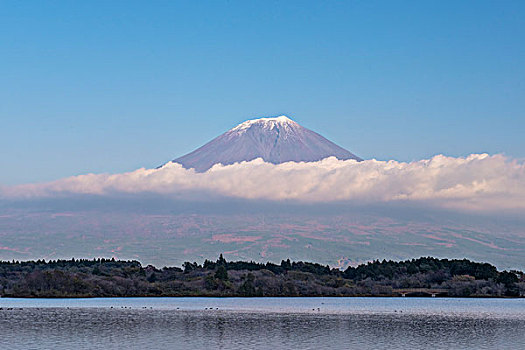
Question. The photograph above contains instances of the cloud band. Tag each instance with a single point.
(476, 182)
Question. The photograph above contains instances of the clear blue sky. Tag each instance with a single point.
(111, 86)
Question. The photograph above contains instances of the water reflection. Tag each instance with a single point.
(49, 327)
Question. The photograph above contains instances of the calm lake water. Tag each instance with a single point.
(262, 323)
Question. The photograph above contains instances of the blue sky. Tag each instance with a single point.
(114, 86)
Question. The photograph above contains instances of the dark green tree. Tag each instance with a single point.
(221, 273)
(221, 261)
(152, 278)
(248, 287)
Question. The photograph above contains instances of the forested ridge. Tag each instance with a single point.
(425, 276)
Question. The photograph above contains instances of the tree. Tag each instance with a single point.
(507, 278)
(286, 264)
(221, 273)
(248, 287)
(221, 260)
(188, 267)
(152, 278)
(510, 281)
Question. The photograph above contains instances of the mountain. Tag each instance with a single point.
(275, 140)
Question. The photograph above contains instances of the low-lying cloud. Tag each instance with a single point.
(477, 182)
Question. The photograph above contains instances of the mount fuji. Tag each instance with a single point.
(275, 140)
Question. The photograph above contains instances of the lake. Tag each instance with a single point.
(262, 323)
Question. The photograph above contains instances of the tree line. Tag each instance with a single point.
(110, 277)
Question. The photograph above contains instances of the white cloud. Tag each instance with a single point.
(477, 182)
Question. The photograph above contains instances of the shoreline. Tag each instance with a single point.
(259, 297)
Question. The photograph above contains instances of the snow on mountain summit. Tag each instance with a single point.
(275, 140)
(266, 123)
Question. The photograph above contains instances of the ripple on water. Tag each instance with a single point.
(277, 323)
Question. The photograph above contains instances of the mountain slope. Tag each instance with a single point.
(275, 140)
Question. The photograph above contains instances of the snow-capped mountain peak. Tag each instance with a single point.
(266, 123)
(275, 140)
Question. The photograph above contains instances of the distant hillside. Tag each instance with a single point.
(162, 234)
(109, 278)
